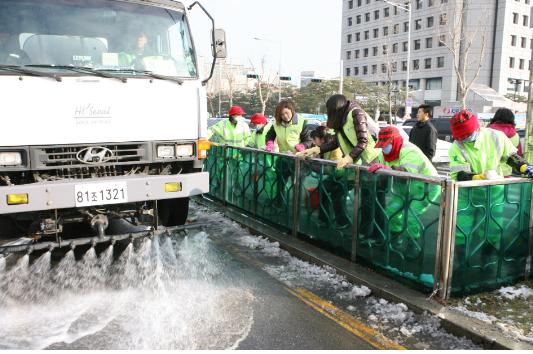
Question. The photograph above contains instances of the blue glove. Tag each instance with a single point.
(527, 170)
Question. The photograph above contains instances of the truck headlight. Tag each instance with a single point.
(10, 159)
(166, 152)
(185, 150)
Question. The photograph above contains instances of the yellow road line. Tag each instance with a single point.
(369, 335)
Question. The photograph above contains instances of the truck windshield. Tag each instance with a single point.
(108, 35)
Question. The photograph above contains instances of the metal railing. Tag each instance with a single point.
(437, 235)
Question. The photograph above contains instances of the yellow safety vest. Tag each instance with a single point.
(369, 155)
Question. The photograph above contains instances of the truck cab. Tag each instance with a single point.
(103, 116)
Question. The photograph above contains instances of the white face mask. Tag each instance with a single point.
(237, 119)
(472, 138)
(387, 149)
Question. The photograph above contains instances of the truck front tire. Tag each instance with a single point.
(173, 212)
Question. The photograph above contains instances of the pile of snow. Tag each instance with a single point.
(512, 293)
(473, 314)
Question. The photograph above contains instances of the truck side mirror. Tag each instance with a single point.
(219, 47)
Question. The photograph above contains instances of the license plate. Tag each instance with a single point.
(101, 194)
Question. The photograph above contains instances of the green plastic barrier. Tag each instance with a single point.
(398, 227)
(214, 164)
(492, 235)
(240, 167)
(275, 189)
(326, 205)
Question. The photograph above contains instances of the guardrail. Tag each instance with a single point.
(437, 235)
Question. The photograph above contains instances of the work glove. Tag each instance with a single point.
(269, 146)
(527, 170)
(375, 167)
(300, 147)
(314, 151)
(478, 178)
(345, 161)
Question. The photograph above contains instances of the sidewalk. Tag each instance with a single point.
(487, 325)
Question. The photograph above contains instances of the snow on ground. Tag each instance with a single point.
(512, 293)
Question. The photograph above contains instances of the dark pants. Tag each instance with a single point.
(333, 194)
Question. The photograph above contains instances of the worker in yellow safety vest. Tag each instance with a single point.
(260, 127)
(233, 131)
(289, 131)
(504, 121)
(480, 153)
(350, 124)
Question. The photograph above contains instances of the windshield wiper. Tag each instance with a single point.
(147, 73)
(21, 70)
(79, 69)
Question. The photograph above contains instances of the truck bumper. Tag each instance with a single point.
(61, 194)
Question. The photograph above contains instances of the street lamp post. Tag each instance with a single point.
(407, 8)
(279, 62)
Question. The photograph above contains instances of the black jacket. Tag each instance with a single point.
(424, 135)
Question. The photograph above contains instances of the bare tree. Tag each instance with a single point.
(459, 40)
(265, 84)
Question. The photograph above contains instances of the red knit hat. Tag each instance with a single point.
(236, 111)
(258, 118)
(463, 125)
(387, 135)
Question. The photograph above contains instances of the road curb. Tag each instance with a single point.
(478, 331)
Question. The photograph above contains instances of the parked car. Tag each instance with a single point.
(441, 124)
(441, 155)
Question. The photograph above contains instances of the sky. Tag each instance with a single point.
(309, 32)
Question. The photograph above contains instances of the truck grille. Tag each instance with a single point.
(65, 157)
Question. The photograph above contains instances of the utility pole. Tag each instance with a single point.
(341, 83)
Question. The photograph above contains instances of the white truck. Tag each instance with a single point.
(103, 115)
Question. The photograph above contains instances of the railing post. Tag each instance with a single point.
(355, 226)
(448, 241)
(296, 197)
(530, 249)
(444, 202)
(225, 175)
(255, 177)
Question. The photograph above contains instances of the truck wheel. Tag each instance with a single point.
(173, 212)
(8, 229)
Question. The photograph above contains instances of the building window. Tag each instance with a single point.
(404, 65)
(350, 21)
(418, 24)
(396, 29)
(374, 69)
(365, 70)
(358, 19)
(367, 17)
(427, 63)
(376, 15)
(367, 35)
(348, 71)
(524, 42)
(385, 31)
(375, 51)
(440, 62)
(434, 83)
(511, 62)
(395, 10)
(443, 19)
(442, 40)
(365, 53)
(350, 4)
(431, 3)
(525, 20)
(418, 4)
(385, 49)
(430, 21)
(395, 48)
(376, 32)
(356, 71)
(414, 84)
(383, 68)
(357, 54)
(394, 67)
(521, 64)
(417, 44)
(357, 36)
(386, 12)
(349, 55)
(515, 18)
(416, 64)
(349, 38)
(406, 26)
(429, 43)
(359, 3)
(405, 46)
(513, 40)
(443, 1)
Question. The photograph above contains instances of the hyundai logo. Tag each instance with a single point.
(94, 155)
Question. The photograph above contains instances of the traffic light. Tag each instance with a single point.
(285, 78)
(316, 80)
(252, 76)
